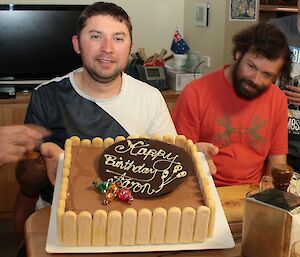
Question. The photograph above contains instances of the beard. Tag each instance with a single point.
(98, 75)
(240, 83)
(101, 77)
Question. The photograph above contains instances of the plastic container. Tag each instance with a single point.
(180, 61)
(193, 62)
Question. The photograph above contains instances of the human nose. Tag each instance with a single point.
(107, 45)
(257, 78)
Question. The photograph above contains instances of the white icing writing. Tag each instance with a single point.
(164, 166)
(140, 148)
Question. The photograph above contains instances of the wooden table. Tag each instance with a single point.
(232, 199)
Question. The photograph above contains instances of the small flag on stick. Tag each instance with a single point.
(179, 46)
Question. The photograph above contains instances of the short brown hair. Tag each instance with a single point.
(102, 8)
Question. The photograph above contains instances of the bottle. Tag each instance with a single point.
(282, 174)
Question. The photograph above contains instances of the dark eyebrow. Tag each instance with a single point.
(94, 31)
(99, 32)
(120, 34)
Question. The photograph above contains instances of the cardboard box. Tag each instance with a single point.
(271, 224)
(178, 80)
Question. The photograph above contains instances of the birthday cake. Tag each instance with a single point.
(133, 191)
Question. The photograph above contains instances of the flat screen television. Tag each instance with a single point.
(36, 42)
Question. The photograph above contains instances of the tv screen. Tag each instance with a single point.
(36, 41)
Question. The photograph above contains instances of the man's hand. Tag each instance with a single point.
(17, 141)
(293, 95)
(209, 151)
(51, 152)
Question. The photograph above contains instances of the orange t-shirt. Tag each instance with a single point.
(246, 132)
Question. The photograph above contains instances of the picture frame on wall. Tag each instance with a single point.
(242, 10)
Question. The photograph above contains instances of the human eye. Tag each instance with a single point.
(267, 75)
(251, 66)
(94, 36)
(119, 38)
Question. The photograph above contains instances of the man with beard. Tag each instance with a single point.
(239, 109)
(97, 100)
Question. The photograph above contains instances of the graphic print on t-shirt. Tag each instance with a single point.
(294, 111)
(249, 134)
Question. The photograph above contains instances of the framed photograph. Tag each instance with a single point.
(242, 10)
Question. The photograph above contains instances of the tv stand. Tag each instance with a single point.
(8, 88)
(7, 92)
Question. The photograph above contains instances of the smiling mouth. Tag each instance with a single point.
(104, 60)
(249, 88)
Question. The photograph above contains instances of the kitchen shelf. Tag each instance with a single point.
(276, 8)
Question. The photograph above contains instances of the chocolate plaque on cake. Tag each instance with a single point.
(149, 168)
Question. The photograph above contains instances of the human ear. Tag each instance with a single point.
(237, 55)
(75, 42)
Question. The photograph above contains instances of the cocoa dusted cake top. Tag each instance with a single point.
(149, 168)
(165, 160)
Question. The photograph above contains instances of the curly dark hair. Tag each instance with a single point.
(102, 8)
(266, 41)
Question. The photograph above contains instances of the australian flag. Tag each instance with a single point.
(179, 46)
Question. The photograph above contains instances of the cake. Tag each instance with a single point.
(159, 213)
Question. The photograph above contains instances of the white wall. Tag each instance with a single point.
(154, 21)
(214, 40)
(208, 40)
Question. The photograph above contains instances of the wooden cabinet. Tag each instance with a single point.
(171, 97)
(12, 112)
